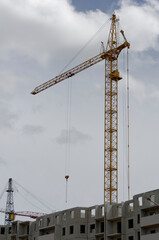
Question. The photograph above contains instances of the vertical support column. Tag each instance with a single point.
(111, 117)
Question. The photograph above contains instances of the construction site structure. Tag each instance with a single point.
(110, 55)
(9, 212)
(137, 219)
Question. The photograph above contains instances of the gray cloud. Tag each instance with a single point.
(3, 161)
(8, 117)
(33, 130)
(73, 136)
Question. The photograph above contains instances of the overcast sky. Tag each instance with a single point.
(38, 38)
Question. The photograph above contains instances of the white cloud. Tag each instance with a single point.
(141, 24)
(143, 91)
(41, 29)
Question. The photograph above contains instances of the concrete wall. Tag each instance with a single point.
(131, 220)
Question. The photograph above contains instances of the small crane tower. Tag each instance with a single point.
(110, 55)
(9, 212)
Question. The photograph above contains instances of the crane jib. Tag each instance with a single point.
(112, 53)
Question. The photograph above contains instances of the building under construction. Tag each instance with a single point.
(137, 219)
(131, 220)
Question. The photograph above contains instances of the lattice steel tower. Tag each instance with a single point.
(111, 117)
(9, 213)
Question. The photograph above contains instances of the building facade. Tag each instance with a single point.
(137, 219)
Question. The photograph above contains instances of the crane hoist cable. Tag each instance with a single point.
(69, 99)
(123, 126)
(128, 125)
(68, 135)
(32, 195)
(86, 44)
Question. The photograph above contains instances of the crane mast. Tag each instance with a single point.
(9, 212)
(111, 105)
(111, 118)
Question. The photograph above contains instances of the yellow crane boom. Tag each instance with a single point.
(111, 105)
(90, 62)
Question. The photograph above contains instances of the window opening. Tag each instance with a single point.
(102, 211)
(119, 210)
(138, 218)
(2, 230)
(130, 223)
(71, 229)
(40, 222)
(130, 207)
(92, 228)
(64, 216)
(82, 228)
(9, 230)
(93, 212)
(131, 238)
(72, 213)
(140, 201)
(48, 221)
(57, 219)
(63, 231)
(83, 213)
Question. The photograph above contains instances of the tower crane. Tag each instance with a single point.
(110, 55)
(9, 211)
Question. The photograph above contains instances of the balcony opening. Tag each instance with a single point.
(102, 227)
(118, 227)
